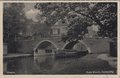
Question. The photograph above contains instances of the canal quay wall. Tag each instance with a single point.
(5, 48)
(95, 45)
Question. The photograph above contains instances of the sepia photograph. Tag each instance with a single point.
(60, 38)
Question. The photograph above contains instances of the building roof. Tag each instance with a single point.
(61, 22)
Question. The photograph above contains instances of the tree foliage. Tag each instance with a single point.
(13, 21)
(80, 16)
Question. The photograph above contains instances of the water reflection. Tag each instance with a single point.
(50, 65)
(35, 65)
(44, 62)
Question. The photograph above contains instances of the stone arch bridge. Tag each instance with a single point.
(93, 45)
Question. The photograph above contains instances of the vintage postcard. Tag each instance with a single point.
(59, 38)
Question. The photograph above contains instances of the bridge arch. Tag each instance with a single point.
(43, 41)
(71, 45)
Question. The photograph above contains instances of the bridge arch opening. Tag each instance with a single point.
(77, 45)
(45, 47)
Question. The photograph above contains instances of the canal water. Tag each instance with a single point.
(88, 64)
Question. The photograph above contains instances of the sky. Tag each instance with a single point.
(30, 12)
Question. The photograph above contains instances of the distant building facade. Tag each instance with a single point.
(60, 28)
(92, 31)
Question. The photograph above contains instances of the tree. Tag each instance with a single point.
(13, 23)
(80, 16)
(36, 28)
(13, 20)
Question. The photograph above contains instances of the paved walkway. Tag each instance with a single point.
(111, 60)
(16, 55)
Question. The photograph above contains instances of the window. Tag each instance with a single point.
(55, 31)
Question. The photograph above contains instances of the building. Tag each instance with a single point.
(92, 31)
(60, 28)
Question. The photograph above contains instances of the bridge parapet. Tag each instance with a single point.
(94, 45)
